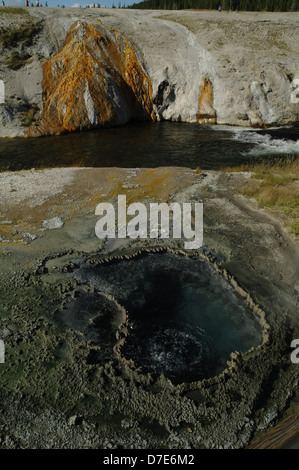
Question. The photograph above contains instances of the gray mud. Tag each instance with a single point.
(66, 384)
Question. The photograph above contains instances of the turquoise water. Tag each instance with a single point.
(184, 318)
(185, 330)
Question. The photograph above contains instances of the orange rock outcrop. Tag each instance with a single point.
(96, 80)
(206, 113)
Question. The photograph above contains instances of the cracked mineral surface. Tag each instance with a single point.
(66, 382)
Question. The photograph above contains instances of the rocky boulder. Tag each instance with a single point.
(96, 80)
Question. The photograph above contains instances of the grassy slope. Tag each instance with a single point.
(275, 185)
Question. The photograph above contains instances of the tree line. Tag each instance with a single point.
(247, 5)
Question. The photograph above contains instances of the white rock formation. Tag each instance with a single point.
(229, 68)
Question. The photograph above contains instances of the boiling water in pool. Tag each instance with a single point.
(184, 318)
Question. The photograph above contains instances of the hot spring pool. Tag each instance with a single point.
(184, 318)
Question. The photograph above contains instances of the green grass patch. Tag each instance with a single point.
(295, 228)
(28, 117)
(14, 11)
(275, 184)
(17, 60)
(22, 35)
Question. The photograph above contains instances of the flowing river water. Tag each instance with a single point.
(152, 145)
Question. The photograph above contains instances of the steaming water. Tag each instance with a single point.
(150, 145)
(184, 318)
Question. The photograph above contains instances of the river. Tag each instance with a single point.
(151, 145)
